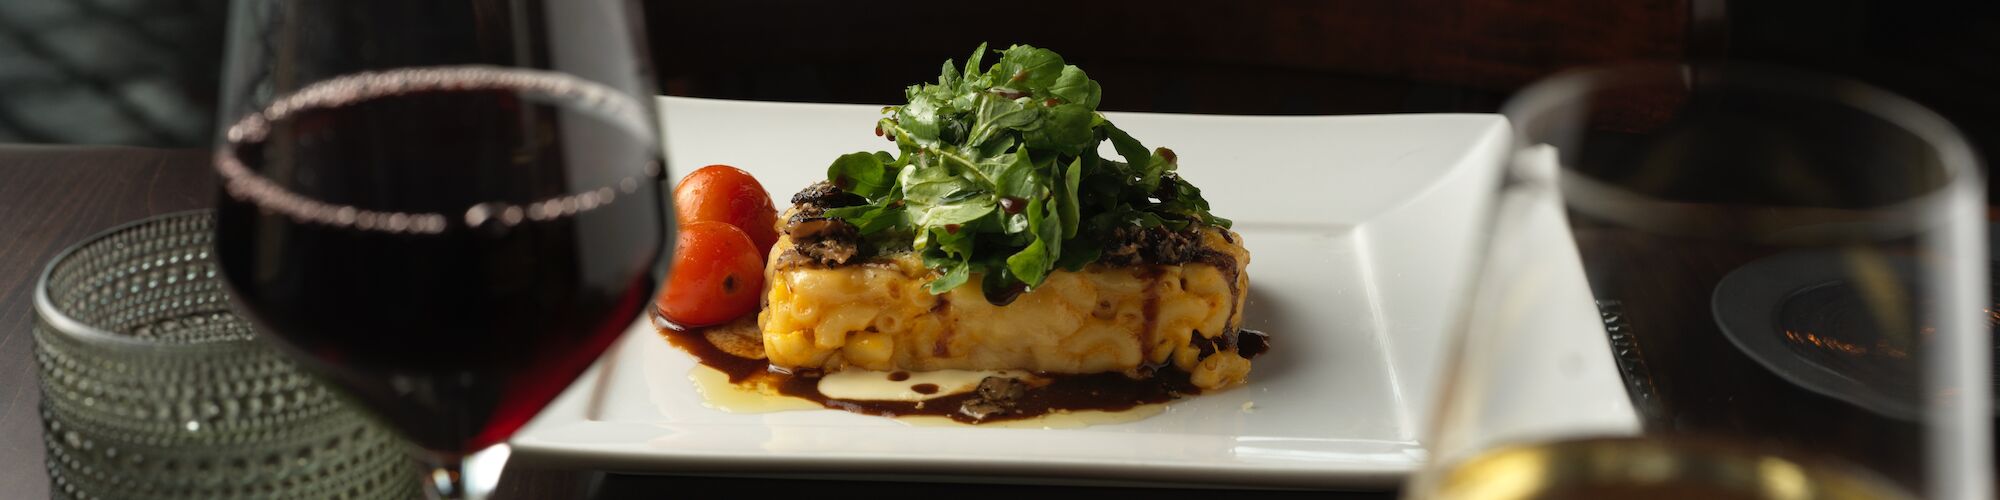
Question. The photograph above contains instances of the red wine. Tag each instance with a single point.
(451, 251)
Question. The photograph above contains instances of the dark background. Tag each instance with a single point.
(143, 72)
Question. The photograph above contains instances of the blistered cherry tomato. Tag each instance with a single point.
(717, 275)
(722, 193)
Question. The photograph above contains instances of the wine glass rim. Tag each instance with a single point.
(1958, 161)
(69, 326)
(607, 104)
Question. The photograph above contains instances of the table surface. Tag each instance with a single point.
(52, 196)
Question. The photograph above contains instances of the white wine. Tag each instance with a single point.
(1644, 469)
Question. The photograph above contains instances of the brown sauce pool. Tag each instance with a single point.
(1110, 392)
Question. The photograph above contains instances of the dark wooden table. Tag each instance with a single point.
(52, 196)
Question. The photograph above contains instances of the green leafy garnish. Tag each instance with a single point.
(863, 173)
(997, 172)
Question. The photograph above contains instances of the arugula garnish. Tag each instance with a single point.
(997, 172)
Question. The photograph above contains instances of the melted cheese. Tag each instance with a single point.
(879, 316)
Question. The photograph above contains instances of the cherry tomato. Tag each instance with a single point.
(727, 194)
(717, 275)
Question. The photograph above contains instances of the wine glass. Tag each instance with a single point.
(1789, 271)
(448, 210)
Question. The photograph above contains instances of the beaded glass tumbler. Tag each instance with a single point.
(153, 388)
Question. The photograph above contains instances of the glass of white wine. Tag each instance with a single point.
(1790, 273)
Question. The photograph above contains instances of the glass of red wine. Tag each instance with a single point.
(447, 209)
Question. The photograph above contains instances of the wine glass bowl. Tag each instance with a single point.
(448, 212)
(476, 269)
(1790, 269)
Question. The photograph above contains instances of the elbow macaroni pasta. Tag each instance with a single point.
(877, 315)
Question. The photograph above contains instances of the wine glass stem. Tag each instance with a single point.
(461, 476)
(446, 479)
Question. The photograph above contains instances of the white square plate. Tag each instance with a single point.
(1361, 231)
